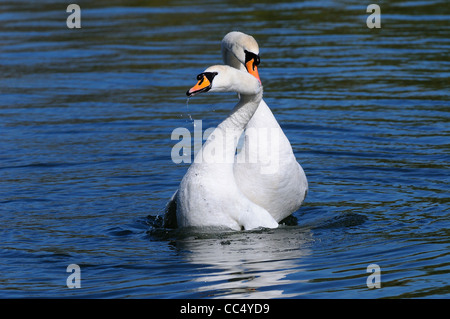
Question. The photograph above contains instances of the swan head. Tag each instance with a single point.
(223, 78)
(240, 49)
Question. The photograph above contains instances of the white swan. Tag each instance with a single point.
(274, 179)
(208, 194)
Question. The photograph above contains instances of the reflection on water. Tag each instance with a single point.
(252, 264)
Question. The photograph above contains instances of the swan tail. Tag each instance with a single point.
(170, 215)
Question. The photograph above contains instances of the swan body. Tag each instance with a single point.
(208, 194)
(274, 179)
(264, 183)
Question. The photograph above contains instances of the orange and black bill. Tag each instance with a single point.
(251, 62)
(203, 85)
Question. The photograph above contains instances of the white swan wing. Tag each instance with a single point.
(266, 169)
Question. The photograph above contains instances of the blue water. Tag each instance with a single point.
(86, 117)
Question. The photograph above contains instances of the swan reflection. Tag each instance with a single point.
(250, 264)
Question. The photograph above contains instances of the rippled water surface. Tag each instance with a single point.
(86, 117)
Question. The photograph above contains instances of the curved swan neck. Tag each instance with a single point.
(230, 59)
(226, 136)
(242, 112)
(227, 133)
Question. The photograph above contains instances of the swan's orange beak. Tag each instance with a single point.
(252, 69)
(202, 85)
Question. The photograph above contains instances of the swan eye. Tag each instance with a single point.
(200, 78)
(252, 56)
(257, 60)
(210, 75)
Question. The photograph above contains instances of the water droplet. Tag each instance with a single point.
(187, 111)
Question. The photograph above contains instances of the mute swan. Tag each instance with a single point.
(274, 179)
(208, 194)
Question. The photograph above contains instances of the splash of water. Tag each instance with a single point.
(189, 114)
